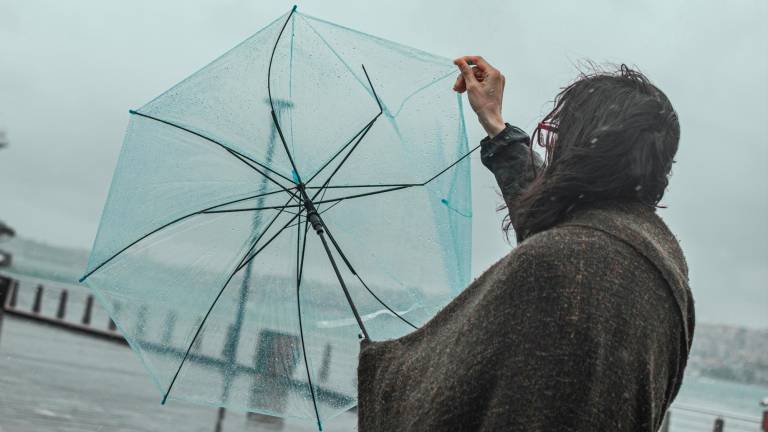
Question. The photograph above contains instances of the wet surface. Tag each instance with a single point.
(54, 380)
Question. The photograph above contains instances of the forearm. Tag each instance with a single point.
(509, 157)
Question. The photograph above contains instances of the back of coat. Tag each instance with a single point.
(586, 326)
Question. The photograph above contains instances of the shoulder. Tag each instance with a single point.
(576, 268)
(566, 248)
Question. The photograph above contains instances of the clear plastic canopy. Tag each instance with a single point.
(205, 258)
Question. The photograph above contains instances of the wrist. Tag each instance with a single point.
(493, 123)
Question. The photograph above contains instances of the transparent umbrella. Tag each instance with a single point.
(307, 188)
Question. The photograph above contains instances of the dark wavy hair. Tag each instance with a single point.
(612, 136)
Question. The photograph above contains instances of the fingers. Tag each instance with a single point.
(467, 73)
(476, 61)
(460, 85)
(481, 63)
(474, 69)
(482, 68)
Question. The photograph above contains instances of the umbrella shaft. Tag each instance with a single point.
(312, 215)
(343, 285)
(317, 224)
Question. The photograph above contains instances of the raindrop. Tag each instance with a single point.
(638, 187)
(593, 140)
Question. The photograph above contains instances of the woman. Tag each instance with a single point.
(586, 325)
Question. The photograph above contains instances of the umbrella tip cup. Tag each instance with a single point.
(293, 9)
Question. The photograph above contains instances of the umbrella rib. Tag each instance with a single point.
(331, 200)
(364, 131)
(320, 212)
(451, 165)
(360, 195)
(269, 225)
(346, 157)
(243, 262)
(271, 102)
(245, 161)
(375, 96)
(203, 211)
(395, 187)
(213, 211)
(360, 139)
(352, 269)
(347, 144)
(299, 274)
(329, 207)
(362, 186)
(233, 152)
(283, 228)
(398, 187)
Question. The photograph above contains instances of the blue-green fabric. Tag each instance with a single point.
(160, 260)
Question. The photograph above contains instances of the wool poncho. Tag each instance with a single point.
(585, 326)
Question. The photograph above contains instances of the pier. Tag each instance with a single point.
(72, 313)
(64, 329)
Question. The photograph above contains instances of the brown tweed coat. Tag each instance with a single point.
(583, 327)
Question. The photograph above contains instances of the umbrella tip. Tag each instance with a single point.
(165, 398)
(130, 111)
(81, 279)
(293, 9)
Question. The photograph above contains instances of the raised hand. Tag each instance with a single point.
(484, 85)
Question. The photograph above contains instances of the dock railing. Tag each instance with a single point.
(679, 415)
(54, 306)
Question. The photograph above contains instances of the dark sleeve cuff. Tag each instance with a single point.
(512, 138)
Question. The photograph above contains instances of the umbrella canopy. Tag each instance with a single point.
(309, 187)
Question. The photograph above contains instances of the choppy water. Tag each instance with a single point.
(53, 380)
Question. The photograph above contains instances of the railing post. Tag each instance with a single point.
(719, 425)
(325, 365)
(5, 286)
(115, 310)
(88, 309)
(220, 420)
(62, 310)
(14, 294)
(170, 323)
(38, 303)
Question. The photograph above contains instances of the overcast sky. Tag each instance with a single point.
(70, 70)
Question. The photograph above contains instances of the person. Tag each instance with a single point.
(586, 325)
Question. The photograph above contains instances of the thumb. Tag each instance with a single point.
(466, 71)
